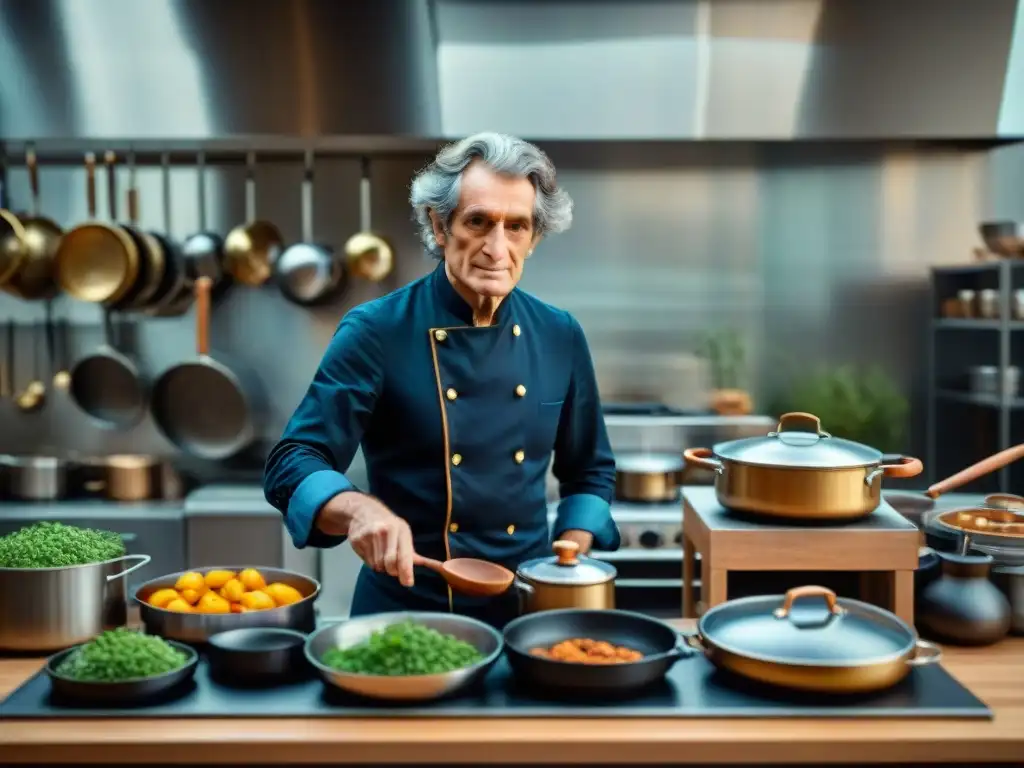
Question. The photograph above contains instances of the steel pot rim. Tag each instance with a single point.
(4, 570)
(900, 655)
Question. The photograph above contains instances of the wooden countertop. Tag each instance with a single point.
(994, 674)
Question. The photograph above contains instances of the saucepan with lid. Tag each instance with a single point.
(567, 580)
(800, 471)
(648, 477)
(811, 640)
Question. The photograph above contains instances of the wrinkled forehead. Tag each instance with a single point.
(496, 195)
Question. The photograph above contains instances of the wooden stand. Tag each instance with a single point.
(883, 547)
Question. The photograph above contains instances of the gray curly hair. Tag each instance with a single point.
(436, 187)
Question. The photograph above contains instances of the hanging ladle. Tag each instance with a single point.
(470, 576)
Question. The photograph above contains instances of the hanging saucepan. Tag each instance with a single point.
(34, 278)
(13, 245)
(204, 250)
(648, 477)
(307, 273)
(913, 505)
(202, 406)
(368, 255)
(97, 261)
(824, 645)
(799, 472)
(251, 249)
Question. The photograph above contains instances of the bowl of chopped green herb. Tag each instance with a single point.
(61, 585)
(404, 656)
(121, 666)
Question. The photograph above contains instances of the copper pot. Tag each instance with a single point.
(126, 477)
(567, 580)
(800, 472)
(649, 477)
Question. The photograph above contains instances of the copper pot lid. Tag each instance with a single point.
(808, 626)
(567, 568)
(799, 442)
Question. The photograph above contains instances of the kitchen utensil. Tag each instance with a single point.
(96, 261)
(107, 385)
(256, 655)
(800, 472)
(1003, 237)
(843, 646)
(43, 609)
(988, 525)
(251, 249)
(470, 576)
(35, 478)
(962, 606)
(648, 477)
(966, 298)
(368, 255)
(135, 691)
(307, 273)
(34, 278)
(567, 580)
(202, 406)
(661, 646)
(33, 397)
(484, 638)
(986, 380)
(913, 505)
(1009, 579)
(199, 627)
(204, 250)
(153, 255)
(13, 245)
(174, 293)
(127, 477)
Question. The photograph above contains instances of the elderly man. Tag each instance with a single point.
(459, 387)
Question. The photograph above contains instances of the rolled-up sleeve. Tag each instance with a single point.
(306, 467)
(584, 464)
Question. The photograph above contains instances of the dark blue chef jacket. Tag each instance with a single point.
(457, 425)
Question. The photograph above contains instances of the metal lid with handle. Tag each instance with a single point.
(567, 567)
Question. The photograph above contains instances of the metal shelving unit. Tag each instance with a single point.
(1004, 276)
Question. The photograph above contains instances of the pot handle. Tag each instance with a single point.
(703, 458)
(925, 653)
(143, 559)
(905, 466)
(796, 593)
(798, 421)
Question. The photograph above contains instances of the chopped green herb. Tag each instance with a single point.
(121, 654)
(406, 648)
(53, 545)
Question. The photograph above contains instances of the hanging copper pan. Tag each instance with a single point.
(96, 261)
(367, 254)
(251, 249)
(34, 278)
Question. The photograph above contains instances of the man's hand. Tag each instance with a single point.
(380, 537)
(583, 538)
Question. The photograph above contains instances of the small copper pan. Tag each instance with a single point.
(251, 249)
(96, 261)
(34, 278)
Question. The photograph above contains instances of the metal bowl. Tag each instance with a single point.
(198, 627)
(123, 691)
(1003, 237)
(484, 638)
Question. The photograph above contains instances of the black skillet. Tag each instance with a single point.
(661, 646)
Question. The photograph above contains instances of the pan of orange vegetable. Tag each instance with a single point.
(575, 651)
(192, 605)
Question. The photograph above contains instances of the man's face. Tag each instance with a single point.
(491, 231)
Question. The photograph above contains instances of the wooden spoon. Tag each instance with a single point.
(476, 578)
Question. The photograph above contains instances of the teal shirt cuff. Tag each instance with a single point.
(309, 497)
(590, 513)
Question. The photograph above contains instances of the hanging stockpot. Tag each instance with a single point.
(308, 273)
(368, 255)
(251, 249)
(800, 472)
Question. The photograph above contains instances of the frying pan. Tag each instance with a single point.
(151, 254)
(251, 249)
(202, 406)
(106, 385)
(307, 273)
(34, 278)
(661, 645)
(204, 251)
(174, 292)
(368, 255)
(96, 261)
(13, 247)
(913, 505)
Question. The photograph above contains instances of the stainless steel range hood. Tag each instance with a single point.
(546, 69)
